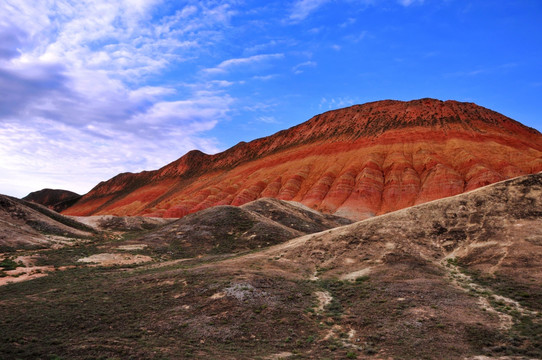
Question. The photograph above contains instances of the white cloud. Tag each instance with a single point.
(357, 37)
(409, 2)
(348, 22)
(192, 116)
(73, 79)
(298, 69)
(303, 8)
(265, 77)
(336, 103)
(50, 154)
(268, 119)
(226, 65)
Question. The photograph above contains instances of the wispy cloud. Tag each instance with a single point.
(73, 79)
(268, 119)
(357, 37)
(335, 103)
(226, 65)
(301, 9)
(51, 154)
(482, 71)
(265, 77)
(348, 22)
(299, 68)
(410, 2)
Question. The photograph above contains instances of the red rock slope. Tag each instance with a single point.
(355, 162)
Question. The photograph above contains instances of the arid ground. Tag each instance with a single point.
(456, 278)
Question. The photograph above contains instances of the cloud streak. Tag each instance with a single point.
(303, 8)
(244, 62)
(299, 68)
(409, 2)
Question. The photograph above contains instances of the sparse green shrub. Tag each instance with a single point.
(8, 264)
(288, 339)
(452, 261)
(362, 279)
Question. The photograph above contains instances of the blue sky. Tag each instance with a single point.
(89, 89)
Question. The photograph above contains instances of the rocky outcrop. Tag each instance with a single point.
(356, 162)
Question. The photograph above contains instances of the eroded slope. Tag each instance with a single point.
(55, 199)
(356, 162)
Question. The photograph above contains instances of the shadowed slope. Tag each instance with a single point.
(356, 162)
(26, 224)
(54, 199)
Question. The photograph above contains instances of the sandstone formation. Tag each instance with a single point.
(355, 162)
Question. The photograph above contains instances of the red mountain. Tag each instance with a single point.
(356, 162)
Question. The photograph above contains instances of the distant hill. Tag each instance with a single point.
(356, 162)
(55, 199)
(25, 224)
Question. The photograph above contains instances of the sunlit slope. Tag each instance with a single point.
(355, 162)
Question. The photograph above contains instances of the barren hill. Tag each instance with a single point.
(55, 199)
(28, 225)
(356, 162)
(495, 229)
(229, 229)
(452, 274)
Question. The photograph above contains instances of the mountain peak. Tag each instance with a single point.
(356, 162)
(375, 118)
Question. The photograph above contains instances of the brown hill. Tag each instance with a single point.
(28, 225)
(230, 229)
(356, 162)
(493, 230)
(55, 199)
(122, 224)
(454, 276)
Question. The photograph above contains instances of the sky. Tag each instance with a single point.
(90, 89)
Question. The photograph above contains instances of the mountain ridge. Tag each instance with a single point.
(383, 126)
(194, 157)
